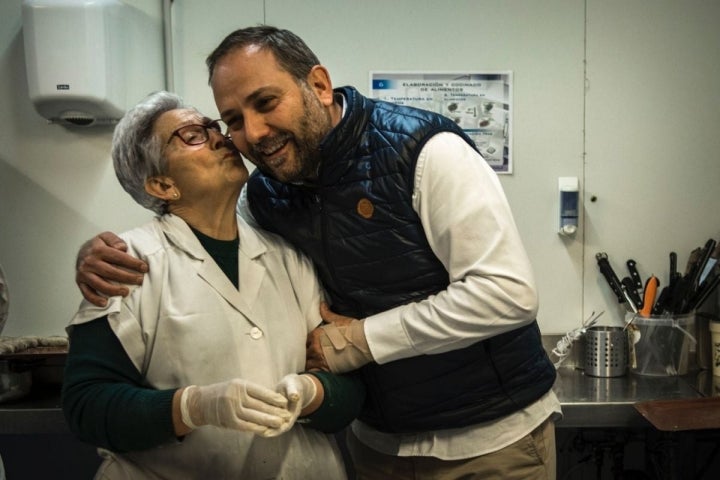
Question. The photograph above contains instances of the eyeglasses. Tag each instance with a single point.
(196, 134)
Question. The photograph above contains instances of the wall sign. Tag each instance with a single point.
(480, 103)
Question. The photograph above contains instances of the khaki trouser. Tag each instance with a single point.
(530, 458)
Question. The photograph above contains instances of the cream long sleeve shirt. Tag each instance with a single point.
(471, 230)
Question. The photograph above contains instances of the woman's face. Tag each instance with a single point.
(202, 172)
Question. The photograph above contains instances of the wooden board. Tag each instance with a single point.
(682, 414)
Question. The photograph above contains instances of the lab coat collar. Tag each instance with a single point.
(251, 270)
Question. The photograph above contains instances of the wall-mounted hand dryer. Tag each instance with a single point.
(88, 61)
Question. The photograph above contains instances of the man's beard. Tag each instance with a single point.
(312, 129)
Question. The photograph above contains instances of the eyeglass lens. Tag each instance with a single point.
(198, 134)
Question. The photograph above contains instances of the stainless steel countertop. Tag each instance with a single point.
(609, 402)
(38, 413)
(586, 401)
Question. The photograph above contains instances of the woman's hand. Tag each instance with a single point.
(237, 404)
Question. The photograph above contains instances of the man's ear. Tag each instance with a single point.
(319, 81)
(162, 187)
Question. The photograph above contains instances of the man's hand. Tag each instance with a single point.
(339, 346)
(103, 260)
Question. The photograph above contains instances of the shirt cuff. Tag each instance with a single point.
(387, 337)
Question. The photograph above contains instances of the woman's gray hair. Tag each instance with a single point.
(137, 152)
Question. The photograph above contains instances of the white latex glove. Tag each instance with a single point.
(237, 404)
(299, 390)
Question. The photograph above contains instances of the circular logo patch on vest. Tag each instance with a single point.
(365, 208)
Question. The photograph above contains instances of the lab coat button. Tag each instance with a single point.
(255, 333)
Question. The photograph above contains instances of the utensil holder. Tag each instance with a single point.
(661, 344)
(606, 352)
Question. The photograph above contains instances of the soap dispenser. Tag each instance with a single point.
(569, 205)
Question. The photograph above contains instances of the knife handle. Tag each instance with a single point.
(649, 294)
(609, 274)
(662, 300)
(634, 274)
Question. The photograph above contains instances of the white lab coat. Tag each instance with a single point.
(187, 324)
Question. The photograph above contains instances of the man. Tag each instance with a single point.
(432, 291)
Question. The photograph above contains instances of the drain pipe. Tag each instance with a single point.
(168, 45)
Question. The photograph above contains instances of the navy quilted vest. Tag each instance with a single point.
(358, 225)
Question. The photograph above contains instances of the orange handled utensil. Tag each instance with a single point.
(649, 294)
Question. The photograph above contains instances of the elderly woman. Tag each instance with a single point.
(194, 372)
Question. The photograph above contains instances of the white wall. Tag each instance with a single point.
(622, 94)
(652, 143)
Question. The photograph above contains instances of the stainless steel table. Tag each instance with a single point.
(39, 413)
(586, 401)
(608, 402)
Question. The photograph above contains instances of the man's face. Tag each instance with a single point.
(275, 121)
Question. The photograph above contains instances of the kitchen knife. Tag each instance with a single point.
(712, 261)
(649, 294)
(704, 292)
(662, 301)
(634, 274)
(707, 252)
(674, 274)
(632, 293)
(685, 289)
(689, 284)
(609, 274)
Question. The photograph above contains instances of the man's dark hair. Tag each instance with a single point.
(291, 52)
